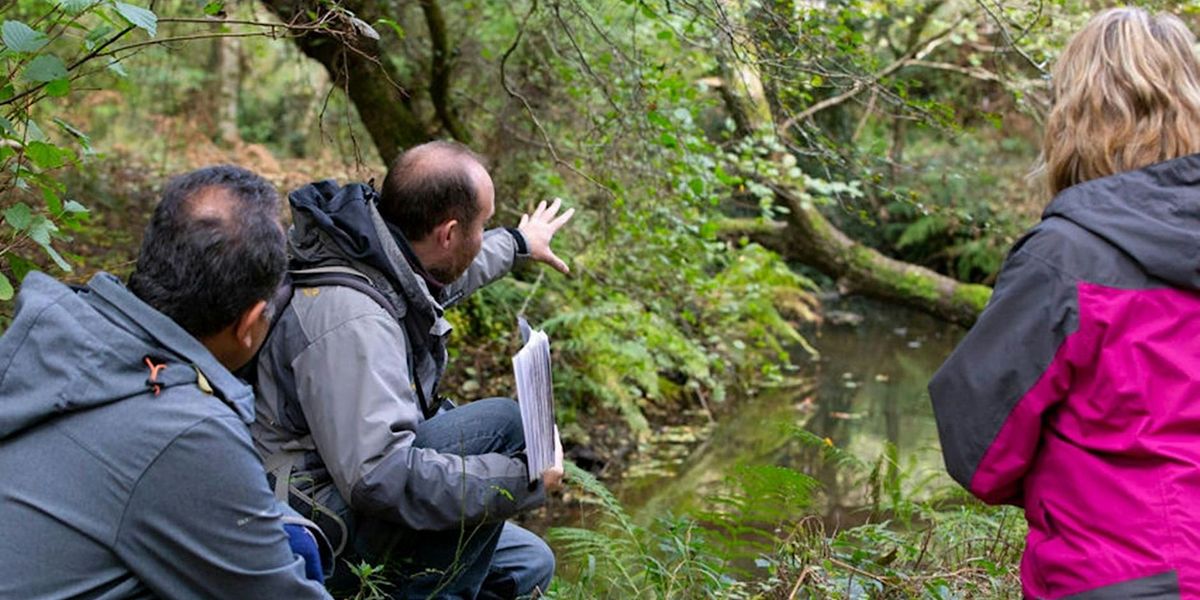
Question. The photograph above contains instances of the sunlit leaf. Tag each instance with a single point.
(19, 37)
(6, 288)
(19, 216)
(138, 17)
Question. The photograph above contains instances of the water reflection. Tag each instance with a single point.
(867, 388)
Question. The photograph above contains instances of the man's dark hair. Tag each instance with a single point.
(429, 185)
(213, 248)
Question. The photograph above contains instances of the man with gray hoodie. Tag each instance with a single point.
(126, 466)
(349, 417)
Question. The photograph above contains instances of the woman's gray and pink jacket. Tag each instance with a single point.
(1077, 393)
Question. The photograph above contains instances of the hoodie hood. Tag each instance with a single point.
(73, 349)
(1152, 214)
(334, 224)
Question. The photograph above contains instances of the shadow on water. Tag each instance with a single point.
(865, 390)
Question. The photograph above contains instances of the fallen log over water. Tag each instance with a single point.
(808, 237)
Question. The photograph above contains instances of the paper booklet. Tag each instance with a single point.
(535, 393)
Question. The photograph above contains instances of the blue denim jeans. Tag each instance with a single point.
(489, 560)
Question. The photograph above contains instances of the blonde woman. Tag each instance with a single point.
(1077, 394)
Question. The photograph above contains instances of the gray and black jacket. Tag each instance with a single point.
(345, 376)
(126, 468)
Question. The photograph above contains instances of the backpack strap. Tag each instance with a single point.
(345, 277)
(355, 280)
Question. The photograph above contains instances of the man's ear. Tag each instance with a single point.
(243, 329)
(444, 233)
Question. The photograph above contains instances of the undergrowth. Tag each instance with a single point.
(763, 536)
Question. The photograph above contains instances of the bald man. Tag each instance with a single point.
(350, 421)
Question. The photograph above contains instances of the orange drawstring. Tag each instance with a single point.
(154, 369)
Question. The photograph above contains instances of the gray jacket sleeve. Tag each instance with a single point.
(496, 258)
(201, 522)
(353, 385)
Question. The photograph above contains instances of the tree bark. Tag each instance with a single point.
(355, 64)
(809, 237)
(226, 69)
(439, 71)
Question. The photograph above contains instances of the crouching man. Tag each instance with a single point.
(349, 415)
(126, 465)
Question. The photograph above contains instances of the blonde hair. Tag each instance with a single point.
(1126, 94)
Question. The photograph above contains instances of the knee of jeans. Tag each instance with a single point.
(507, 415)
(542, 565)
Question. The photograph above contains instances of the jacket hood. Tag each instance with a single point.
(1152, 214)
(73, 349)
(334, 224)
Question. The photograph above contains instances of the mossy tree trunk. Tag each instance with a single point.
(809, 237)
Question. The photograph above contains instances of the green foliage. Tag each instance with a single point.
(619, 559)
(762, 536)
(372, 581)
(36, 143)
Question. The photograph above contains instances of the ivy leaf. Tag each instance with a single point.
(19, 216)
(6, 288)
(19, 37)
(138, 17)
(44, 68)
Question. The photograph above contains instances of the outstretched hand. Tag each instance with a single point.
(540, 227)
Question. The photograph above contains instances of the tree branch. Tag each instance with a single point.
(439, 70)
(916, 52)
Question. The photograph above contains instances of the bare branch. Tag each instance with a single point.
(918, 51)
(529, 108)
(1041, 67)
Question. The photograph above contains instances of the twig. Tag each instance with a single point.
(533, 292)
(973, 72)
(1041, 67)
(796, 588)
(529, 108)
(916, 52)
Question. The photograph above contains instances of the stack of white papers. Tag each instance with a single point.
(535, 393)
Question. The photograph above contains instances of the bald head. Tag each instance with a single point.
(212, 250)
(431, 184)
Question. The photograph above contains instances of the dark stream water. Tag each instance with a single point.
(867, 388)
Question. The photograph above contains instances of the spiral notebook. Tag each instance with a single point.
(535, 393)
